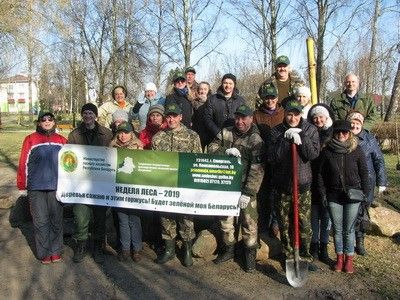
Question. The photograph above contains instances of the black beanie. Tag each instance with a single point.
(229, 76)
(89, 106)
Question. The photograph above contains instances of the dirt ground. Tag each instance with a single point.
(23, 277)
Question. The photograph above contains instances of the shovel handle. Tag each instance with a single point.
(295, 195)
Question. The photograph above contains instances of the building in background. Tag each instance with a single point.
(14, 94)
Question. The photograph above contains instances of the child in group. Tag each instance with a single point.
(130, 227)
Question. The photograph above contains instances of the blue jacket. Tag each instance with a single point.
(375, 161)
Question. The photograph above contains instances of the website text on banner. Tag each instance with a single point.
(187, 183)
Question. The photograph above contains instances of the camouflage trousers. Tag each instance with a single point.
(248, 225)
(169, 223)
(284, 209)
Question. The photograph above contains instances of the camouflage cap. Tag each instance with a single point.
(173, 109)
(293, 105)
(284, 60)
(244, 110)
(178, 75)
(267, 90)
(124, 126)
(190, 69)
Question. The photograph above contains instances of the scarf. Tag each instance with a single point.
(340, 147)
(182, 92)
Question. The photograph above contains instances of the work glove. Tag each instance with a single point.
(381, 189)
(244, 201)
(293, 134)
(233, 152)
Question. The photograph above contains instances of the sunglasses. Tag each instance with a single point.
(180, 81)
(344, 132)
(46, 118)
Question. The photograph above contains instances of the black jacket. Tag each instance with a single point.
(219, 112)
(184, 104)
(351, 166)
(279, 155)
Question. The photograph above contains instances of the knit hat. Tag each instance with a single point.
(318, 111)
(156, 108)
(341, 125)
(150, 86)
(124, 126)
(120, 114)
(284, 60)
(304, 91)
(355, 115)
(44, 113)
(91, 107)
(229, 76)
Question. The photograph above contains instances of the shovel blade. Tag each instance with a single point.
(296, 272)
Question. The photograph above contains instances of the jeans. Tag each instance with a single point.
(343, 217)
(47, 215)
(320, 224)
(130, 229)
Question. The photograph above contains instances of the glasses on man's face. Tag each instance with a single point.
(47, 118)
(343, 132)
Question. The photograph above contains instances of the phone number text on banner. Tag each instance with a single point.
(187, 183)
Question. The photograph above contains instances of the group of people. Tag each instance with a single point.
(336, 155)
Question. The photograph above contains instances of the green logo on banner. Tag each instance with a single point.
(69, 161)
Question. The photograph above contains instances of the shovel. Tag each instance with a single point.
(296, 268)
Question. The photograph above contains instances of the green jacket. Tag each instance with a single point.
(181, 140)
(251, 148)
(341, 108)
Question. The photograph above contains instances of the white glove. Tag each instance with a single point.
(381, 189)
(293, 134)
(233, 152)
(244, 201)
(22, 193)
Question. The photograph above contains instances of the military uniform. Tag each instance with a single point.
(181, 140)
(251, 148)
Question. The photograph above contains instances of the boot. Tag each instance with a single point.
(169, 252)
(323, 253)
(98, 254)
(314, 249)
(360, 249)
(250, 259)
(187, 260)
(339, 263)
(226, 255)
(348, 265)
(79, 252)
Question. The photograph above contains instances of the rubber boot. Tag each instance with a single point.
(80, 251)
(339, 263)
(98, 253)
(226, 255)
(187, 260)
(348, 265)
(169, 252)
(314, 250)
(323, 253)
(250, 260)
(360, 249)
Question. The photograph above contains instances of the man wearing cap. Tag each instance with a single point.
(294, 129)
(350, 100)
(180, 96)
(37, 178)
(267, 116)
(285, 79)
(106, 110)
(176, 138)
(89, 132)
(191, 82)
(222, 105)
(242, 140)
(141, 107)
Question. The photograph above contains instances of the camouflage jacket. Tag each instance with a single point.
(341, 108)
(181, 140)
(251, 148)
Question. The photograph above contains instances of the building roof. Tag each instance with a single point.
(15, 79)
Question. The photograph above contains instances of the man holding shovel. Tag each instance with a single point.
(293, 130)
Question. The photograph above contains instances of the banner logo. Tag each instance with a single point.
(69, 161)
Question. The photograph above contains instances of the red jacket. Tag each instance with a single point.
(148, 132)
(38, 162)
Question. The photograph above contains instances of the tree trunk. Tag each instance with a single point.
(394, 99)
